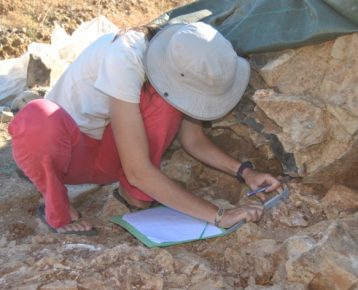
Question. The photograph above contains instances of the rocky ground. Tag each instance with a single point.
(309, 242)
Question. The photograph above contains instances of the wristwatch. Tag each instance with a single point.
(243, 166)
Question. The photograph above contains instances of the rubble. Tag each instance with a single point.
(5, 115)
(339, 199)
(298, 118)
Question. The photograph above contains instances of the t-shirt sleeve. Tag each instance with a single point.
(121, 73)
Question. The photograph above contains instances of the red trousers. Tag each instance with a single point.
(50, 149)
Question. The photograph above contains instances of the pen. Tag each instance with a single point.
(260, 189)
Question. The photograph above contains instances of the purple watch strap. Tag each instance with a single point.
(243, 166)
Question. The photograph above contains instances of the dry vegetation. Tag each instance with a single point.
(38, 13)
(22, 22)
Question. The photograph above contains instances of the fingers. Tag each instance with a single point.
(261, 196)
(252, 211)
(274, 183)
(253, 214)
(258, 179)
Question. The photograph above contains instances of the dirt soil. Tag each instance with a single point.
(22, 22)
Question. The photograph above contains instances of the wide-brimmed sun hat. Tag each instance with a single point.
(195, 69)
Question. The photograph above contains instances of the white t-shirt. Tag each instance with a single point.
(104, 69)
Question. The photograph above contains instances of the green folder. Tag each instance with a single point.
(163, 226)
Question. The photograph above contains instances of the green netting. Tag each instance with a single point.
(266, 25)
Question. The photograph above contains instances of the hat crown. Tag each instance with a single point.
(196, 70)
(202, 58)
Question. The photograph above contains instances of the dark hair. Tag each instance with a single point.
(149, 31)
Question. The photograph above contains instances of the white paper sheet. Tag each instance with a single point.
(162, 224)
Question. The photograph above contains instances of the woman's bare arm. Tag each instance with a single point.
(132, 145)
(196, 143)
(131, 141)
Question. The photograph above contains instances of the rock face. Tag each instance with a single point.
(25, 97)
(328, 263)
(338, 200)
(61, 285)
(301, 118)
(309, 108)
(38, 73)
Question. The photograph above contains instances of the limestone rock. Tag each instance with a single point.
(248, 233)
(164, 261)
(117, 253)
(146, 280)
(315, 109)
(333, 276)
(189, 263)
(3, 242)
(23, 98)
(112, 207)
(329, 262)
(297, 245)
(327, 70)
(44, 68)
(38, 74)
(61, 285)
(199, 270)
(257, 139)
(288, 216)
(49, 261)
(28, 287)
(310, 120)
(281, 286)
(89, 283)
(307, 128)
(5, 116)
(261, 263)
(212, 283)
(75, 191)
(181, 167)
(305, 197)
(282, 71)
(338, 199)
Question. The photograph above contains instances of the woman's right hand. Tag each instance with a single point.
(250, 211)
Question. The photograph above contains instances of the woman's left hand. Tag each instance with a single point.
(255, 179)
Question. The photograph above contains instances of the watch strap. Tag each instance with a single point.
(240, 171)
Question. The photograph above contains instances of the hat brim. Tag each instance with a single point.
(191, 102)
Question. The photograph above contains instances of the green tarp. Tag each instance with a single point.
(266, 25)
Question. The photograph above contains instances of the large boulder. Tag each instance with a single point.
(306, 106)
(325, 259)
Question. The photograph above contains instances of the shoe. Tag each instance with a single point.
(42, 216)
(132, 208)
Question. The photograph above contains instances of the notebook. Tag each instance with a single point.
(163, 226)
